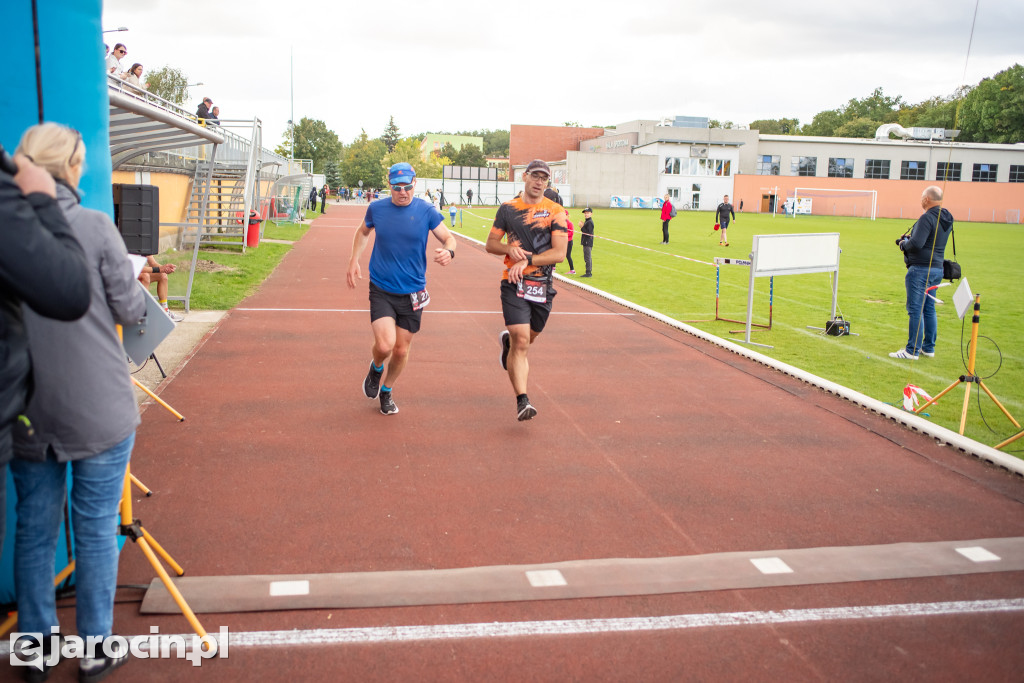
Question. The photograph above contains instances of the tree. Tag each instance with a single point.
(994, 110)
(408, 150)
(495, 143)
(332, 176)
(448, 150)
(469, 155)
(824, 123)
(776, 126)
(572, 124)
(363, 162)
(313, 141)
(391, 136)
(860, 127)
(168, 83)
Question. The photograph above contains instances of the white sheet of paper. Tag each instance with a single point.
(138, 262)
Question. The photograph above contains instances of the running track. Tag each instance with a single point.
(649, 444)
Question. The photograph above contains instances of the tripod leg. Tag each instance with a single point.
(140, 485)
(963, 413)
(181, 418)
(997, 447)
(935, 398)
(171, 588)
(162, 553)
(996, 401)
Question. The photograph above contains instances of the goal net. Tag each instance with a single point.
(832, 202)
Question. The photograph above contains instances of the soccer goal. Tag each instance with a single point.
(1013, 216)
(827, 201)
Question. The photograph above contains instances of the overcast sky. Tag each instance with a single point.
(460, 65)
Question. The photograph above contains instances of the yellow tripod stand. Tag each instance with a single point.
(970, 377)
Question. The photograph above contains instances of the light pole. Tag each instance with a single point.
(115, 30)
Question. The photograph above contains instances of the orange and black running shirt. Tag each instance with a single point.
(528, 226)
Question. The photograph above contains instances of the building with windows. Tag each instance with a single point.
(697, 165)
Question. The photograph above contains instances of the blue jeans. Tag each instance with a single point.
(98, 483)
(924, 325)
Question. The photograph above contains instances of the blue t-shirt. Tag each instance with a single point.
(398, 263)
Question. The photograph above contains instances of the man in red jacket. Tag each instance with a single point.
(666, 216)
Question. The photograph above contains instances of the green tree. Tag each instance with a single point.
(824, 123)
(363, 162)
(776, 126)
(448, 150)
(313, 140)
(391, 136)
(168, 83)
(994, 110)
(860, 127)
(469, 155)
(408, 150)
(332, 175)
(495, 143)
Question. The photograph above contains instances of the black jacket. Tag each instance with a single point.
(918, 248)
(203, 112)
(42, 265)
(587, 230)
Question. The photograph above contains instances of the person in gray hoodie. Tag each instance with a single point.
(83, 414)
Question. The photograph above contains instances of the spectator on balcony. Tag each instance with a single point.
(203, 112)
(134, 77)
(215, 116)
(114, 60)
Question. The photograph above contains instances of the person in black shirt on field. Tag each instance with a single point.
(587, 240)
(722, 218)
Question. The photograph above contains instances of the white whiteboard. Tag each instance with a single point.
(791, 254)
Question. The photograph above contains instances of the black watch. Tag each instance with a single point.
(529, 259)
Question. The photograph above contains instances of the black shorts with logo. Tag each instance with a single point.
(519, 311)
(398, 306)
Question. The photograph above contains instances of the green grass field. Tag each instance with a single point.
(871, 297)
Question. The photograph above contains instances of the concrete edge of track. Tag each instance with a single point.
(910, 420)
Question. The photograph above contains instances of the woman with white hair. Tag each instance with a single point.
(83, 413)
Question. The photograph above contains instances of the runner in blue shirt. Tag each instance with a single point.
(398, 275)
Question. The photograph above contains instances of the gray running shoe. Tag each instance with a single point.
(506, 344)
(524, 409)
(387, 406)
(371, 385)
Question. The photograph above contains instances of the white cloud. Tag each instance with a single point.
(454, 64)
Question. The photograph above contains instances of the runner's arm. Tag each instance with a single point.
(444, 254)
(359, 241)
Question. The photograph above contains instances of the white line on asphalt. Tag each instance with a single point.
(365, 310)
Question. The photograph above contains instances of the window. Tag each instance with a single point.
(840, 168)
(804, 166)
(672, 165)
(768, 164)
(672, 192)
(984, 173)
(1017, 173)
(877, 168)
(695, 196)
(722, 167)
(913, 170)
(947, 171)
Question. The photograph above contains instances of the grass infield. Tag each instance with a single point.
(630, 262)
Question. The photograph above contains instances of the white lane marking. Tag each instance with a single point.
(393, 634)
(771, 565)
(366, 310)
(978, 554)
(289, 587)
(542, 578)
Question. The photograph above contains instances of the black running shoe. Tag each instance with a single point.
(387, 406)
(506, 344)
(371, 385)
(93, 669)
(524, 409)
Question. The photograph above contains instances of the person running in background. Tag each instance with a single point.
(398, 276)
(722, 218)
(587, 240)
(530, 232)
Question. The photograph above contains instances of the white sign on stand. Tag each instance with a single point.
(793, 255)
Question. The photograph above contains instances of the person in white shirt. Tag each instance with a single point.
(114, 59)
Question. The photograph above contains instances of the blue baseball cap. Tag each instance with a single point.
(401, 173)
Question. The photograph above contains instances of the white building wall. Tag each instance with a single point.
(698, 183)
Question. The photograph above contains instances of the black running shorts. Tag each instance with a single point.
(398, 306)
(519, 311)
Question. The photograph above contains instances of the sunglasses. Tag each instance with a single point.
(401, 188)
(538, 175)
(124, 52)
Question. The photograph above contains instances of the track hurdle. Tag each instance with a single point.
(719, 262)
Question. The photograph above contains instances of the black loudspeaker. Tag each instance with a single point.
(137, 217)
(837, 327)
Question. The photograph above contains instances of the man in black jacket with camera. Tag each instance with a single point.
(923, 251)
(42, 265)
